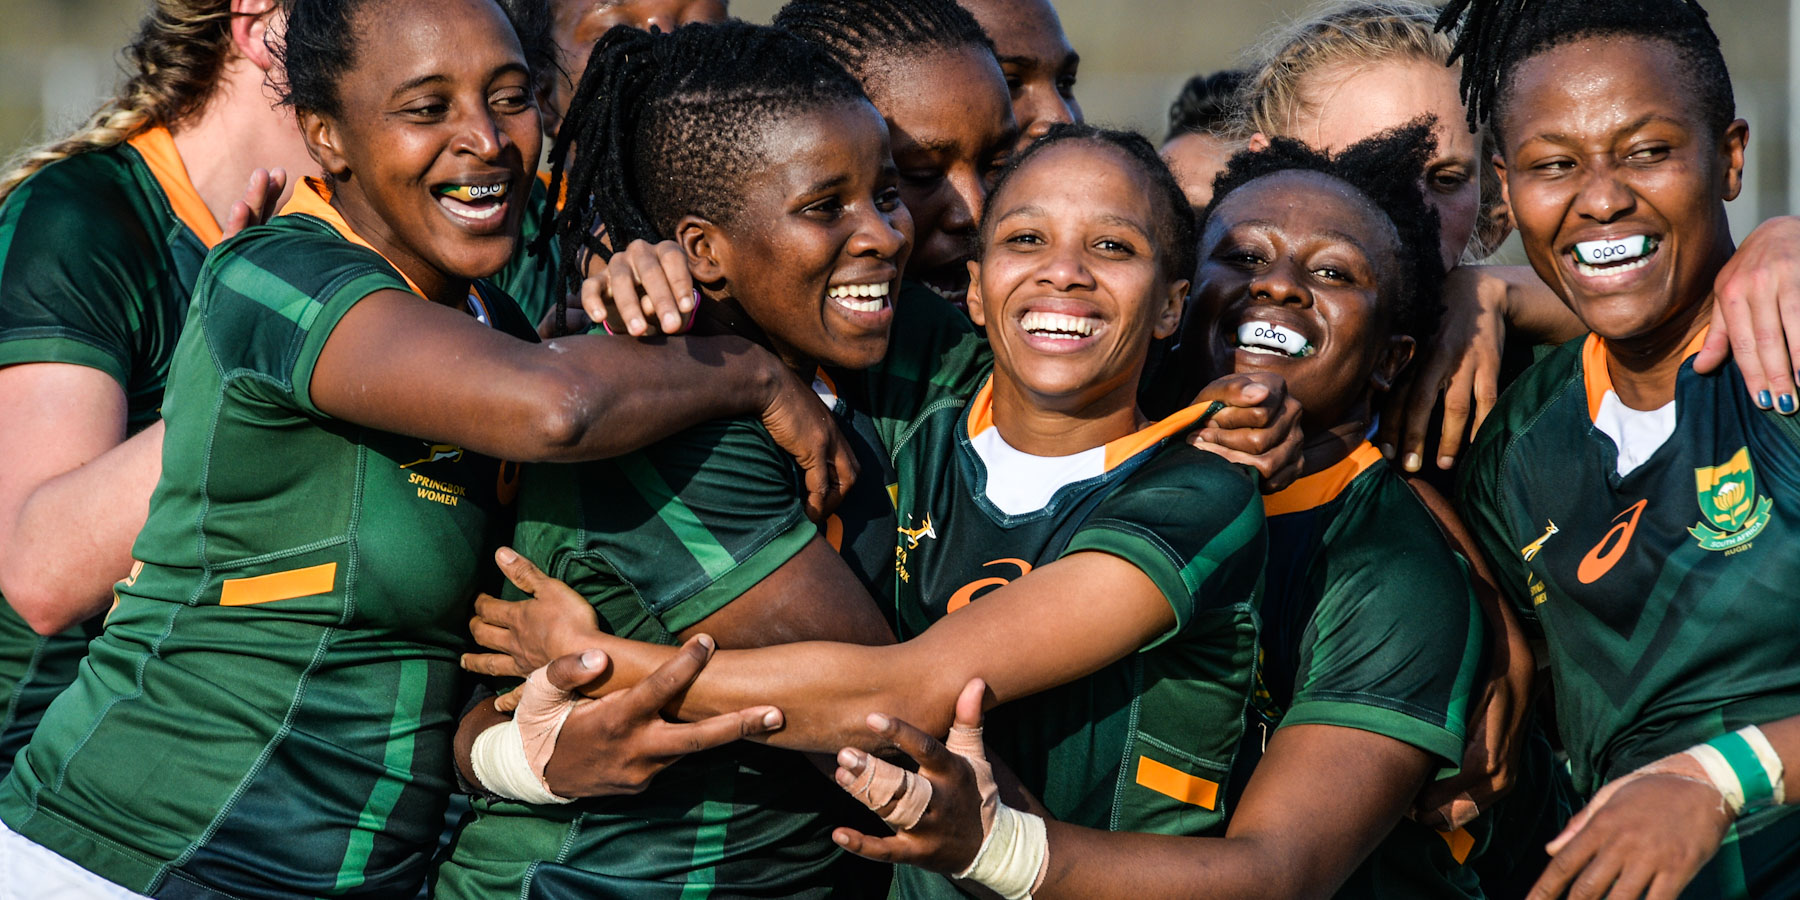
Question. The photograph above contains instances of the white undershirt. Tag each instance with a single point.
(1020, 483)
(1637, 432)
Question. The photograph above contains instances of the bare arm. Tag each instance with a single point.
(1061, 622)
(416, 368)
(73, 491)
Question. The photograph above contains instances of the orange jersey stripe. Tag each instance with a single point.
(279, 586)
(1175, 783)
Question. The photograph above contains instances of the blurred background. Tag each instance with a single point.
(58, 58)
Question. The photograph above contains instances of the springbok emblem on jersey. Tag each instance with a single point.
(915, 535)
(1732, 512)
(437, 453)
(1530, 550)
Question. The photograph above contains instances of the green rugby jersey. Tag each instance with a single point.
(98, 256)
(532, 279)
(659, 540)
(1147, 743)
(1665, 595)
(269, 710)
(1369, 622)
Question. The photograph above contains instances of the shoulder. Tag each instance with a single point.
(93, 205)
(1180, 482)
(289, 261)
(1518, 411)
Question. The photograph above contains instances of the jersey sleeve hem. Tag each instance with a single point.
(720, 592)
(1433, 739)
(324, 320)
(1150, 558)
(63, 349)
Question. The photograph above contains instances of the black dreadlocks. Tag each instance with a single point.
(1497, 35)
(668, 125)
(1387, 169)
(1175, 227)
(858, 33)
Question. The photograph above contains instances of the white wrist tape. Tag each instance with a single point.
(1013, 857)
(1745, 768)
(499, 761)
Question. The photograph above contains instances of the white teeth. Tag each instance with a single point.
(956, 297)
(1272, 337)
(1057, 325)
(1612, 253)
(874, 296)
(482, 213)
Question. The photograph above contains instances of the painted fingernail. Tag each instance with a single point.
(1412, 462)
(1787, 404)
(592, 659)
(1764, 400)
(772, 719)
(690, 301)
(1445, 462)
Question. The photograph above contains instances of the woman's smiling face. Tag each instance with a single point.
(1072, 283)
(437, 140)
(1297, 273)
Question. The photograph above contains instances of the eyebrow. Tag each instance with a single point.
(829, 184)
(1647, 118)
(1352, 240)
(438, 78)
(1109, 218)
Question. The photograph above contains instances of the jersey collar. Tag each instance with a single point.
(157, 147)
(1320, 488)
(313, 197)
(981, 418)
(1598, 380)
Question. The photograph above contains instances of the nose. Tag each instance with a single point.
(481, 136)
(968, 195)
(1603, 196)
(1280, 283)
(1050, 112)
(882, 235)
(1065, 267)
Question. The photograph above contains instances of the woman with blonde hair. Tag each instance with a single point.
(101, 236)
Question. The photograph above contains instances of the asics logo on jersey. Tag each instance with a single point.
(915, 535)
(967, 592)
(1732, 512)
(1611, 548)
(437, 453)
(1530, 550)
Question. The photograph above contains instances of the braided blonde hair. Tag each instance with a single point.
(174, 63)
(1355, 33)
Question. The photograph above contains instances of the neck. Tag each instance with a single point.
(1643, 368)
(239, 130)
(1326, 447)
(1043, 426)
(721, 314)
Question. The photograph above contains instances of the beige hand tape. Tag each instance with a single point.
(881, 781)
(966, 742)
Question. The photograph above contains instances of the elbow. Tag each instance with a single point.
(561, 423)
(44, 612)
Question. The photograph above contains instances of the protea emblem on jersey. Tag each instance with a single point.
(1732, 513)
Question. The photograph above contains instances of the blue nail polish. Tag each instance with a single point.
(1764, 400)
(1787, 404)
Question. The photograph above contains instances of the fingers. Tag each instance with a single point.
(493, 637)
(621, 287)
(596, 303)
(495, 612)
(1717, 346)
(717, 731)
(1631, 883)
(1562, 870)
(678, 283)
(1740, 326)
(524, 575)
(969, 703)
(497, 664)
(1576, 823)
(922, 747)
(648, 697)
(571, 673)
(888, 850)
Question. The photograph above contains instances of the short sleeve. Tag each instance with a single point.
(80, 271)
(1190, 521)
(1395, 643)
(270, 297)
(1482, 511)
(693, 522)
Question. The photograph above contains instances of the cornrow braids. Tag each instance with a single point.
(1497, 35)
(1176, 229)
(668, 125)
(1208, 104)
(320, 47)
(859, 33)
(173, 65)
(1386, 168)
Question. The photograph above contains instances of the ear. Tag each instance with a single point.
(1258, 143)
(324, 144)
(251, 22)
(1394, 358)
(977, 312)
(1737, 137)
(1169, 317)
(1499, 164)
(708, 252)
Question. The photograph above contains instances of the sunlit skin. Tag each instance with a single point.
(1346, 105)
(1196, 159)
(951, 127)
(1084, 247)
(1595, 146)
(580, 23)
(445, 103)
(1306, 251)
(823, 212)
(1035, 56)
